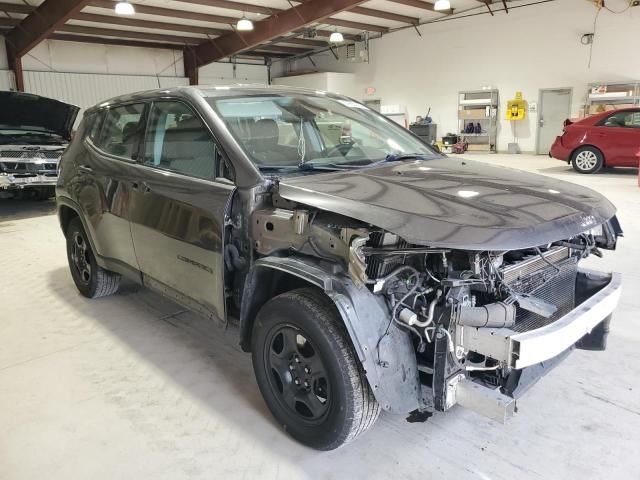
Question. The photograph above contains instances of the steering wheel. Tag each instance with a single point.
(343, 149)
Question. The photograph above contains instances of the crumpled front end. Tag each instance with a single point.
(486, 325)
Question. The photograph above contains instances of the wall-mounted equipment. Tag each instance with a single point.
(356, 52)
(517, 108)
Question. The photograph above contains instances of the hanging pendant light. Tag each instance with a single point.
(336, 37)
(442, 5)
(244, 24)
(124, 8)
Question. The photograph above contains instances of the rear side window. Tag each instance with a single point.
(95, 125)
(121, 130)
(177, 140)
(623, 119)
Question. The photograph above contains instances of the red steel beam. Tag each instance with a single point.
(16, 8)
(168, 12)
(112, 41)
(134, 22)
(386, 15)
(109, 32)
(286, 21)
(40, 23)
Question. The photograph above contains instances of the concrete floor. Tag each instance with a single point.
(130, 386)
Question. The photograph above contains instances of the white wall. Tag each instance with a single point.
(86, 74)
(88, 89)
(6, 76)
(530, 48)
(327, 81)
(4, 63)
(72, 57)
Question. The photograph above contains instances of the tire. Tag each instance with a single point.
(587, 160)
(45, 193)
(299, 337)
(91, 280)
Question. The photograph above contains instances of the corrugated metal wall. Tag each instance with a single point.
(7, 81)
(87, 89)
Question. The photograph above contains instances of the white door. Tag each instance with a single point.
(554, 109)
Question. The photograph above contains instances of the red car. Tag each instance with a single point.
(607, 139)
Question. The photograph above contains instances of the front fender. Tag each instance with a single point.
(389, 360)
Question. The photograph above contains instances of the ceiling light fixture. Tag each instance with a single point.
(442, 5)
(124, 8)
(244, 24)
(336, 37)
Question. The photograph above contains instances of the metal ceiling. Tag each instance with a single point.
(205, 29)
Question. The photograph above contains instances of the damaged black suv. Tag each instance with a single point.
(364, 270)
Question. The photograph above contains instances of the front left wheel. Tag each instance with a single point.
(91, 280)
(308, 372)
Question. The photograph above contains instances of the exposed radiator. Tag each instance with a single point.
(558, 290)
(532, 264)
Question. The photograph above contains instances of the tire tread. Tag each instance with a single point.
(106, 282)
(365, 409)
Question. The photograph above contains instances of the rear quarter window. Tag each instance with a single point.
(120, 130)
(94, 124)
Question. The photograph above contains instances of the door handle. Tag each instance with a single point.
(85, 169)
(542, 122)
(141, 185)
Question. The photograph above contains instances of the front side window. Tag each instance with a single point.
(177, 140)
(623, 119)
(121, 130)
(293, 130)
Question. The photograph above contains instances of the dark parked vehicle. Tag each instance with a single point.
(365, 271)
(607, 139)
(34, 131)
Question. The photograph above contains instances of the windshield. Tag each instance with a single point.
(28, 137)
(295, 131)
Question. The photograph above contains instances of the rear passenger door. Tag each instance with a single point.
(178, 209)
(103, 186)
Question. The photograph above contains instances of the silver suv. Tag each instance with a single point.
(34, 131)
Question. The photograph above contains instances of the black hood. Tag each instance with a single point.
(25, 111)
(456, 203)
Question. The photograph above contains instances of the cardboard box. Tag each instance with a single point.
(473, 113)
(608, 107)
(479, 147)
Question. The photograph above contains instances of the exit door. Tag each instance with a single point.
(554, 109)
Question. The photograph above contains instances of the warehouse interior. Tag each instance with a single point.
(137, 386)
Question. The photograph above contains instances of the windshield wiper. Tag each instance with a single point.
(394, 157)
(305, 167)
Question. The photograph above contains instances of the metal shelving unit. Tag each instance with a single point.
(610, 96)
(479, 106)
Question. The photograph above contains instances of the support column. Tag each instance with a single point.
(190, 65)
(15, 64)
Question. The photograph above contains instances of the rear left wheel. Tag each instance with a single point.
(308, 372)
(91, 280)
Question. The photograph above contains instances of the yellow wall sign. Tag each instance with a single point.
(516, 109)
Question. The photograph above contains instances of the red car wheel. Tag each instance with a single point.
(587, 160)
